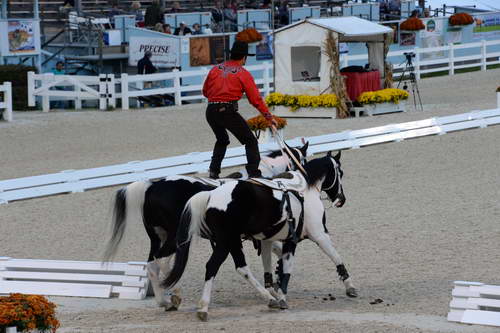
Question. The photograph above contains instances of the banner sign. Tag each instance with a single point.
(204, 51)
(19, 37)
(165, 50)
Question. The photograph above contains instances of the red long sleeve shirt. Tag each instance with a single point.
(228, 81)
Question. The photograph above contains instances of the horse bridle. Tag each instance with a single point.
(337, 178)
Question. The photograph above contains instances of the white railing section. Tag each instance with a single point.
(71, 181)
(449, 63)
(73, 278)
(6, 104)
(107, 88)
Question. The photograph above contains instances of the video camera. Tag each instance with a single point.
(408, 56)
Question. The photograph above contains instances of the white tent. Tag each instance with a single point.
(300, 63)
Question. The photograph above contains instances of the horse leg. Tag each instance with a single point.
(218, 257)
(266, 248)
(153, 268)
(287, 265)
(166, 252)
(243, 270)
(325, 242)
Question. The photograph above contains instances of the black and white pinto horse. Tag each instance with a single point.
(251, 209)
(160, 204)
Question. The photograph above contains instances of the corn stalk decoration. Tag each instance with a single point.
(388, 81)
(337, 81)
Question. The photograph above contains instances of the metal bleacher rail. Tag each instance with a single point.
(71, 181)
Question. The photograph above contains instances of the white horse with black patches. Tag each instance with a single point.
(262, 210)
(160, 205)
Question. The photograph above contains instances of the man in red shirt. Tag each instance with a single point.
(224, 86)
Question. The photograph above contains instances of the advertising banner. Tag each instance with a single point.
(204, 51)
(165, 50)
(264, 49)
(21, 37)
(432, 36)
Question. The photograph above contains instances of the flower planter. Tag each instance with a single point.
(381, 108)
(286, 112)
(266, 136)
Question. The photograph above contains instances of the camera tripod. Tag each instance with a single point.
(410, 69)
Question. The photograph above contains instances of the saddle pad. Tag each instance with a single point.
(296, 183)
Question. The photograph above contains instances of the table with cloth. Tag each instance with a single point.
(359, 82)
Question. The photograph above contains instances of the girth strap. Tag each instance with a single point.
(293, 232)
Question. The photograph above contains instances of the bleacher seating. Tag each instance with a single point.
(49, 9)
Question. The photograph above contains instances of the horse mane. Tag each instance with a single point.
(317, 169)
(274, 154)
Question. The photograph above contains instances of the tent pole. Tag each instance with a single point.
(274, 48)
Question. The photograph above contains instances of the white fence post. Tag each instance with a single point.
(483, 55)
(111, 90)
(103, 91)
(31, 88)
(78, 100)
(345, 60)
(7, 101)
(124, 88)
(267, 83)
(48, 77)
(177, 86)
(417, 63)
(451, 54)
(498, 99)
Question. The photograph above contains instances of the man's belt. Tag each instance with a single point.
(230, 102)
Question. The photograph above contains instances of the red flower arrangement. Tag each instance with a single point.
(28, 312)
(461, 19)
(412, 24)
(249, 35)
(260, 123)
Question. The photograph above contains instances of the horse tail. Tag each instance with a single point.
(128, 200)
(192, 223)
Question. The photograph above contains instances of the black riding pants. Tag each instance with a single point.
(223, 118)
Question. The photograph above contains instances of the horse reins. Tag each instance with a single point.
(283, 146)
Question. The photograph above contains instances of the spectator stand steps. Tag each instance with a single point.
(72, 181)
(475, 303)
(73, 278)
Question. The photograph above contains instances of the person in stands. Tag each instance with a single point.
(153, 14)
(197, 29)
(136, 10)
(223, 87)
(182, 30)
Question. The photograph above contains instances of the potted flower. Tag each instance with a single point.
(25, 313)
(308, 106)
(412, 24)
(383, 101)
(260, 127)
(460, 19)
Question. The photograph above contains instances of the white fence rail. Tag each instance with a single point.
(107, 88)
(6, 104)
(73, 278)
(81, 180)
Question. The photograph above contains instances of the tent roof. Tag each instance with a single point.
(348, 26)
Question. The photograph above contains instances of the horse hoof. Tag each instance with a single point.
(351, 292)
(203, 316)
(273, 304)
(171, 307)
(283, 304)
(176, 301)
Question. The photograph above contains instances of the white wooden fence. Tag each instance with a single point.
(107, 88)
(6, 104)
(475, 303)
(72, 181)
(73, 278)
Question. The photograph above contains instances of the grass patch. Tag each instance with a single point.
(487, 29)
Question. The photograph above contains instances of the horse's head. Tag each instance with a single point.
(332, 184)
(299, 153)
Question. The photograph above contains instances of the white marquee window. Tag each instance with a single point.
(306, 62)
